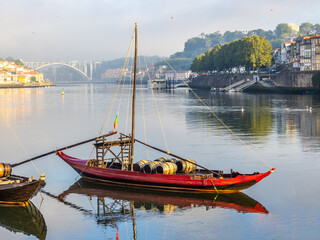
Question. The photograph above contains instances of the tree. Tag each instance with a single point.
(195, 46)
(10, 59)
(283, 30)
(18, 62)
(276, 43)
(33, 79)
(215, 38)
(316, 80)
(230, 36)
(316, 28)
(252, 52)
(306, 28)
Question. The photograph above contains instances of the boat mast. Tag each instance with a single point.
(134, 94)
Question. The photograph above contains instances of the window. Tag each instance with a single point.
(307, 46)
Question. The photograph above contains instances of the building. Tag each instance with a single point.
(177, 75)
(12, 73)
(302, 53)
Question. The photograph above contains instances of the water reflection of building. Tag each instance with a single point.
(18, 103)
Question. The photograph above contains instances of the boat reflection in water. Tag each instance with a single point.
(25, 219)
(164, 202)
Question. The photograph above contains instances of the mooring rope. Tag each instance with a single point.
(143, 113)
(219, 119)
(156, 105)
(22, 147)
(107, 117)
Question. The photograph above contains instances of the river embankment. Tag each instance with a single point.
(285, 81)
(26, 85)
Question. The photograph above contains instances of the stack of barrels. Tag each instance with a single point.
(5, 170)
(164, 165)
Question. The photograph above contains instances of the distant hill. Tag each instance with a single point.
(118, 63)
(197, 45)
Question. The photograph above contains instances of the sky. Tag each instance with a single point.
(84, 30)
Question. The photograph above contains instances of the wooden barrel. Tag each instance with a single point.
(152, 166)
(173, 160)
(5, 170)
(138, 166)
(162, 159)
(186, 167)
(167, 168)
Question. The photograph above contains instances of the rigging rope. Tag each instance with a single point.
(156, 105)
(143, 112)
(220, 120)
(20, 144)
(107, 117)
(128, 102)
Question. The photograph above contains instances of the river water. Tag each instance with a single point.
(283, 130)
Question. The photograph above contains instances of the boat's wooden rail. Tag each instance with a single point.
(104, 143)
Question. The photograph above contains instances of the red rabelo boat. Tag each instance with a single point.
(176, 174)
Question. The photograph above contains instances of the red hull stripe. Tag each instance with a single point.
(155, 180)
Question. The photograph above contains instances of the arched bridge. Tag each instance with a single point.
(83, 68)
(64, 64)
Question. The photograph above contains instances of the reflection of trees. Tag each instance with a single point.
(261, 121)
(289, 115)
(254, 119)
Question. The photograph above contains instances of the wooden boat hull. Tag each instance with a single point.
(18, 193)
(162, 182)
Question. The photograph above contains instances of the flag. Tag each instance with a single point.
(115, 123)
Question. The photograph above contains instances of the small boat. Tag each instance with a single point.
(25, 219)
(17, 190)
(175, 174)
(158, 83)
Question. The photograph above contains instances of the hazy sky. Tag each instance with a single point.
(62, 30)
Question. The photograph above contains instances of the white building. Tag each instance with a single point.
(177, 75)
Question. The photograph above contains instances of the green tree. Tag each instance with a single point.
(283, 30)
(306, 28)
(316, 28)
(231, 36)
(252, 52)
(18, 62)
(195, 46)
(215, 38)
(11, 59)
(33, 79)
(276, 43)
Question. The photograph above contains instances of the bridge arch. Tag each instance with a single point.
(64, 64)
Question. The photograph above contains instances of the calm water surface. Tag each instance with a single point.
(281, 129)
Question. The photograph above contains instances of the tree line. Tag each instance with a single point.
(250, 52)
(200, 44)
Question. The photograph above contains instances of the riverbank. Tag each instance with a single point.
(286, 81)
(26, 85)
